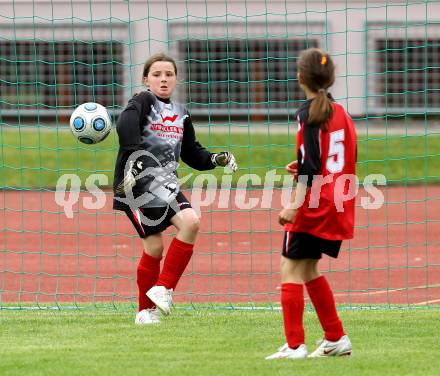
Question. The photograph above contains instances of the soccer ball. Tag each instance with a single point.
(90, 123)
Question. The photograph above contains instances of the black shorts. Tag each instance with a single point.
(150, 221)
(301, 245)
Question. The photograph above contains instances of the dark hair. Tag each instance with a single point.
(318, 73)
(158, 57)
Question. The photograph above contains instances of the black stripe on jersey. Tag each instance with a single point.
(309, 164)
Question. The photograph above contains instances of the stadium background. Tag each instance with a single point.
(237, 75)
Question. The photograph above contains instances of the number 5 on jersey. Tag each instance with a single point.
(336, 152)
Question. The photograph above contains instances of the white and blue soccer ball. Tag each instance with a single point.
(90, 123)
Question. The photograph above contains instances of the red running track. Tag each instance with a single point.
(393, 259)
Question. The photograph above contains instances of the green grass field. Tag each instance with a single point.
(208, 342)
(35, 159)
(395, 342)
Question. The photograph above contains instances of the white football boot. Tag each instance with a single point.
(147, 316)
(285, 352)
(329, 348)
(162, 297)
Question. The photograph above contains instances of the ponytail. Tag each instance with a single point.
(317, 73)
(320, 110)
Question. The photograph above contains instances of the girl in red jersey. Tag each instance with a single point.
(321, 212)
(154, 133)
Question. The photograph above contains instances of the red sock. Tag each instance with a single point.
(147, 273)
(322, 298)
(175, 263)
(292, 301)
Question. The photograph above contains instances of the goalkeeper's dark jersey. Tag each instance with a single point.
(154, 134)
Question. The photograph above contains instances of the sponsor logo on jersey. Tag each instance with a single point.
(166, 128)
(169, 118)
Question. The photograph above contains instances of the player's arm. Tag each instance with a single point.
(307, 166)
(128, 128)
(128, 125)
(198, 157)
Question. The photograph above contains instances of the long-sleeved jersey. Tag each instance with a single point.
(154, 133)
(326, 156)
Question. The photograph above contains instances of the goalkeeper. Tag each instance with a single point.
(154, 132)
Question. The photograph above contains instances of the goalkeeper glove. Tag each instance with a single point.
(224, 159)
(129, 180)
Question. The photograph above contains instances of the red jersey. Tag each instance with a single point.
(327, 162)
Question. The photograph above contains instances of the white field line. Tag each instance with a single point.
(428, 302)
(381, 292)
